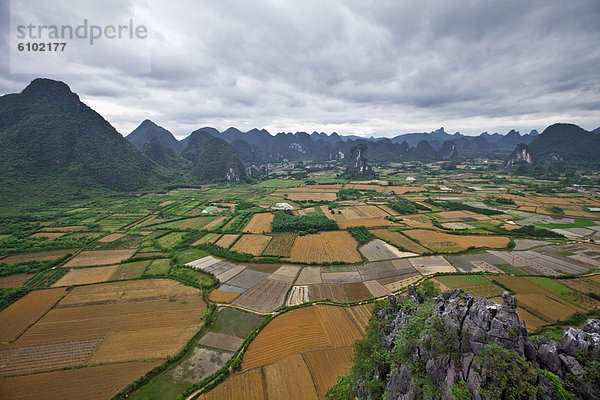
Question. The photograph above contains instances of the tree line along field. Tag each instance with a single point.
(103, 282)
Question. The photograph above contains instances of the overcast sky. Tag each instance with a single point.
(356, 67)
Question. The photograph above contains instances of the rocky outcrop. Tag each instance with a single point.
(520, 155)
(358, 162)
(466, 327)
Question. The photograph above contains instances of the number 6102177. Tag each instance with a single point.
(49, 46)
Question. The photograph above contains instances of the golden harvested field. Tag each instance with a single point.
(289, 377)
(260, 223)
(13, 281)
(246, 386)
(280, 244)
(438, 241)
(144, 344)
(399, 240)
(17, 317)
(144, 289)
(111, 238)
(227, 240)
(223, 296)
(93, 383)
(301, 330)
(99, 257)
(327, 365)
(83, 276)
(253, 244)
(41, 256)
(325, 247)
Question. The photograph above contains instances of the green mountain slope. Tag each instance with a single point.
(218, 161)
(52, 144)
(568, 142)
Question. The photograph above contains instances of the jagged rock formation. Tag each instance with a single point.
(520, 155)
(439, 345)
(358, 162)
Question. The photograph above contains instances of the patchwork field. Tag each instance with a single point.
(299, 354)
(325, 247)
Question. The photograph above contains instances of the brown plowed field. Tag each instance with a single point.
(41, 256)
(356, 291)
(323, 291)
(260, 223)
(326, 366)
(93, 383)
(13, 281)
(221, 341)
(253, 244)
(288, 378)
(17, 317)
(83, 276)
(100, 257)
(325, 247)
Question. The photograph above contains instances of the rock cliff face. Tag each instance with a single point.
(520, 155)
(447, 348)
(358, 163)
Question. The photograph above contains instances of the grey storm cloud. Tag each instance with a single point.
(356, 67)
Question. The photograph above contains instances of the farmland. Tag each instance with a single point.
(325, 247)
(260, 223)
(144, 270)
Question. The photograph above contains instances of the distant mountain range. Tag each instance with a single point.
(259, 146)
(53, 144)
